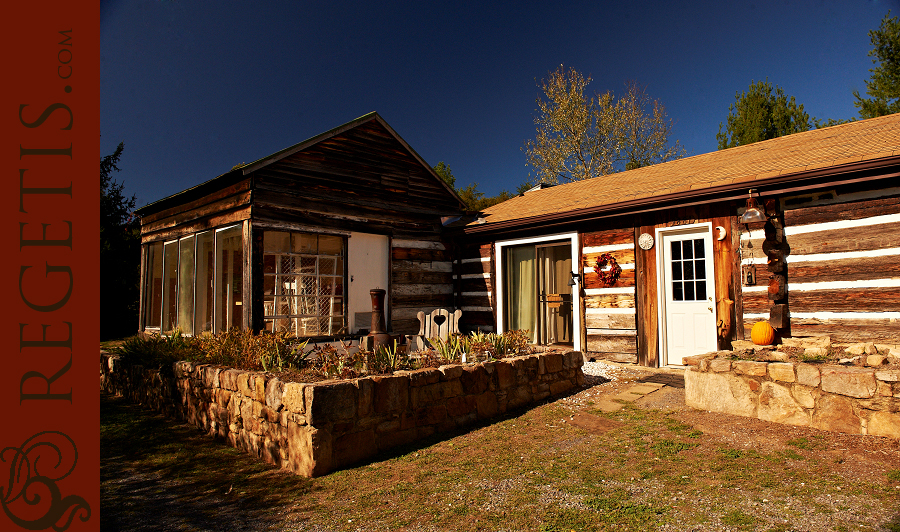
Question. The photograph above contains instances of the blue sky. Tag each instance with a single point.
(194, 88)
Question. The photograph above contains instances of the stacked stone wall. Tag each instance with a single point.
(314, 428)
(850, 399)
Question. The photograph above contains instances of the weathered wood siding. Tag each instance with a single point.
(421, 280)
(609, 315)
(474, 273)
(843, 268)
(224, 206)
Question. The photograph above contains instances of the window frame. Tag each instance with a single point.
(272, 297)
(147, 288)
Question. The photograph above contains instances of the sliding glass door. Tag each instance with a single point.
(536, 293)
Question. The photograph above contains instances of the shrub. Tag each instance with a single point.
(157, 352)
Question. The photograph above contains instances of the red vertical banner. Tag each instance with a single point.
(49, 262)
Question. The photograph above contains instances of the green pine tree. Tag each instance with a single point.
(883, 86)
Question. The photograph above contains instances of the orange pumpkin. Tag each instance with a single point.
(762, 333)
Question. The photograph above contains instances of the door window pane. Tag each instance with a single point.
(688, 270)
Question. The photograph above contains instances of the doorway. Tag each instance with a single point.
(554, 263)
(536, 291)
(686, 292)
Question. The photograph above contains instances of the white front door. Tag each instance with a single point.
(687, 290)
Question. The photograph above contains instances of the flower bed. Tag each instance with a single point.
(860, 396)
(314, 428)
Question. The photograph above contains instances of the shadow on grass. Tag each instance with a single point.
(160, 474)
(438, 437)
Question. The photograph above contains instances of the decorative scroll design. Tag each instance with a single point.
(34, 469)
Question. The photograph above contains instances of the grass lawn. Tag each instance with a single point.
(640, 468)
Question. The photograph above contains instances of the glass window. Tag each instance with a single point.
(170, 285)
(203, 286)
(303, 283)
(186, 285)
(229, 279)
(154, 287)
(195, 284)
(688, 270)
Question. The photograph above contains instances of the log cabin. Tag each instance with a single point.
(295, 241)
(645, 266)
(653, 264)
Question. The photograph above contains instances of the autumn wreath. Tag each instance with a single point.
(610, 276)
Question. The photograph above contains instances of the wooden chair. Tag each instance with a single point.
(439, 323)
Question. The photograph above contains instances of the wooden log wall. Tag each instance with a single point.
(421, 280)
(474, 273)
(844, 264)
(609, 313)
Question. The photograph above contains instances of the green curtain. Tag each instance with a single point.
(520, 290)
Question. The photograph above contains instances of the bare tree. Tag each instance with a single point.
(643, 130)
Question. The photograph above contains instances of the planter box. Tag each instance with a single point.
(312, 429)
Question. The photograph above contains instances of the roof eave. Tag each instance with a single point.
(785, 183)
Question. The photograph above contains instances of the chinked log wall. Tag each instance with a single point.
(421, 280)
(312, 429)
(474, 275)
(610, 309)
(844, 278)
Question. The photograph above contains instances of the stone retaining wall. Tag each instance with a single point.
(312, 429)
(856, 400)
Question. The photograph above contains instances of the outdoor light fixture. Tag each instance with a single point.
(752, 213)
(572, 280)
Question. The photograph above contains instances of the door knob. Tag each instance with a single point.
(709, 308)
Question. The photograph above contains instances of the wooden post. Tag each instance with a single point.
(776, 249)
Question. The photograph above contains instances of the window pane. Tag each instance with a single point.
(676, 271)
(203, 302)
(688, 269)
(186, 285)
(687, 249)
(699, 251)
(677, 294)
(699, 269)
(154, 289)
(327, 266)
(701, 290)
(170, 285)
(331, 245)
(286, 264)
(229, 279)
(307, 285)
(268, 285)
(331, 285)
(676, 250)
(304, 243)
(269, 262)
(308, 265)
(689, 291)
(276, 242)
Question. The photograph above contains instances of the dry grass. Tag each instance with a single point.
(657, 466)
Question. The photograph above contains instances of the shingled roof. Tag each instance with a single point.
(741, 167)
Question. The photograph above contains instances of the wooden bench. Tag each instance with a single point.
(439, 323)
